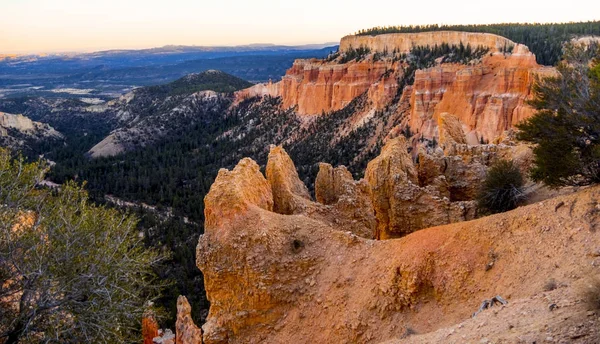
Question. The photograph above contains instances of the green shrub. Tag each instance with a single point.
(70, 271)
(502, 189)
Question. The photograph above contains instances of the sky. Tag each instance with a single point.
(35, 26)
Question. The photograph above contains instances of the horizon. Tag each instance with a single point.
(66, 52)
(71, 26)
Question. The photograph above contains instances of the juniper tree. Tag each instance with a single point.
(566, 127)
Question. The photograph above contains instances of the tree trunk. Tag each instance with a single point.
(15, 334)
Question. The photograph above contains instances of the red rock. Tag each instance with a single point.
(149, 329)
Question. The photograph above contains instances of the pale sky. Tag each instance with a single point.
(86, 25)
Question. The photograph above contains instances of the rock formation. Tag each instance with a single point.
(26, 129)
(316, 87)
(298, 279)
(331, 183)
(258, 90)
(402, 206)
(187, 332)
(149, 329)
(289, 193)
(488, 96)
(450, 130)
(350, 200)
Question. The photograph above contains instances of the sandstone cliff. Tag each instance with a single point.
(488, 95)
(487, 98)
(317, 87)
(404, 42)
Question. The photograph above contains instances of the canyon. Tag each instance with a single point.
(401, 255)
(391, 87)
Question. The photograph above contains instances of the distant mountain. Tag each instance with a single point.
(210, 80)
(106, 75)
(174, 49)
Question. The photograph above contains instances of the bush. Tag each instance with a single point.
(502, 189)
(550, 285)
(70, 271)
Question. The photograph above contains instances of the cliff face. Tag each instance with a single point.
(488, 95)
(26, 126)
(317, 87)
(18, 131)
(488, 98)
(404, 42)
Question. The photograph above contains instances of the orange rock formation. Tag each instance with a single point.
(316, 87)
(404, 203)
(299, 279)
(289, 193)
(487, 98)
(149, 329)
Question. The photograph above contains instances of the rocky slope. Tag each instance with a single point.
(17, 131)
(304, 278)
(142, 127)
(151, 113)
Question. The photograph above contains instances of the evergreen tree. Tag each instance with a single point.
(566, 127)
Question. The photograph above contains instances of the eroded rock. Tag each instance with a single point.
(403, 205)
(302, 279)
(289, 192)
(186, 331)
(349, 198)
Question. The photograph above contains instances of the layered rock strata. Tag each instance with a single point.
(488, 98)
(404, 42)
(316, 87)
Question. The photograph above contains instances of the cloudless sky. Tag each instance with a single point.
(85, 25)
